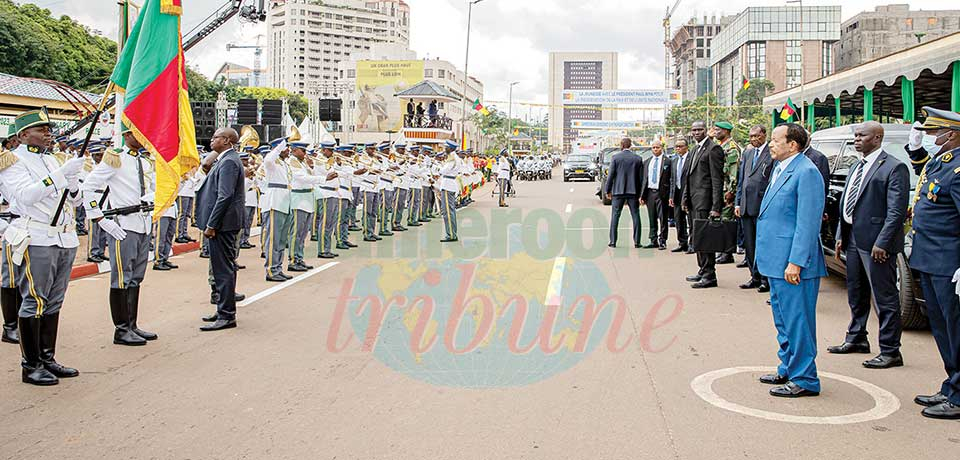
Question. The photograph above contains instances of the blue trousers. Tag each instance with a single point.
(795, 316)
(943, 311)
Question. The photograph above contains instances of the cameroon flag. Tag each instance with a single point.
(788, 110)
(151, 74)
(480, 108)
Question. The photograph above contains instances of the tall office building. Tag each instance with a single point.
(306, 39)
(577, 71)
(890, 28)
(690, 50)
(772, 43)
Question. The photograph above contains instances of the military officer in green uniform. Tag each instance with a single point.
(934, 149)
(731, 164)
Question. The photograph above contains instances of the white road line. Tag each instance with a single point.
(568, 208)
(282, 286)
(554, 294)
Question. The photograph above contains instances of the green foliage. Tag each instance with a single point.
(202, 89)
(37, 45)
(747, 113)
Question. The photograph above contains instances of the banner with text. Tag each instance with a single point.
(605, 124)
(622, 96)
(378, 110)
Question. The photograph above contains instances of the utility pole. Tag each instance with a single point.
(666, 62)
(466, 75)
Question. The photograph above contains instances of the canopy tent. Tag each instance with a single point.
(428, 90)
(890, 88)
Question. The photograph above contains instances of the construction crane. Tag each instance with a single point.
(257, 55)
(666, 61)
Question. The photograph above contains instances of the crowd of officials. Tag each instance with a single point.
(773, 194)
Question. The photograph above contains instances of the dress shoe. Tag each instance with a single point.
(743, 264)
(385, 234)
(219, 325)
(286, 276)
(679, 249)
(415, 224)
(240, 267)
(343, 246)
(943, 411)
(774, 379)
(161, 267)
(724, 259)
(792, 390)
(637, 245)
(378, 237)
(694, 278)
(314, 238)
(704, 284)
(930, 400)
(752, 284)
(238, 297)
(326, 255)
(351, 245)
(649, 246)
(882, 361)
(276, 278)
(170, 265)
(848, 348)
(662, 247)
(181, 240)
(305, 265)
(296, 268)
(399, 229)
(741, 251)
(764, 287)
(768, 302)
(612, 245)
(369, 239)
(81, 232)
(211, 319)
(449, 240)
(95, 259)
(263, 256)
(246, 246)
(191, 239)
(204, 255)
(354, 228)
(691, 251)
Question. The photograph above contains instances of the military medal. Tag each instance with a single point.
(932, 190)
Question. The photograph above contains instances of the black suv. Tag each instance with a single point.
(579, 166)
(837, 145)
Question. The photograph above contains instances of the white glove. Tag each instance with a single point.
(915, 138)
(956, 280)
(72, 167)
(112, 228)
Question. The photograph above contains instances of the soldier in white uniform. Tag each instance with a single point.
(185, 197)
(328, 204)
(427, 203)
(402, 193)
(163, 241)
(276, 208)
(415, 181)
(386, 190)
(42, 254)
(251, 199)
(302, 203)
(503, 176)
(125, 177)
(449, 170)
(371, 196)
(9, 294)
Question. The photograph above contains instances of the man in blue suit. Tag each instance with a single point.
(790, 256)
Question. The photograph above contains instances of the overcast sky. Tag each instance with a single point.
(510, 40)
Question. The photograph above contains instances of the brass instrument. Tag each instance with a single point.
(248, 138)
(294, 134)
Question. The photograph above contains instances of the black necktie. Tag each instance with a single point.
(140, 174)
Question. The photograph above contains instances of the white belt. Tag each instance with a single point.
(52, 230)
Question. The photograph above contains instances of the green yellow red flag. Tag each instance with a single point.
(152, 76)
(480, 108)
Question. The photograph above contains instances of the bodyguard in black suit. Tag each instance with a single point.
(703, 196)
(655, 195)
(678, 181)
(220, 214)
(872, 212)
(823, 165)
(752, 181)
(623, 186)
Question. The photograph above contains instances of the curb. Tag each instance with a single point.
(90, 268)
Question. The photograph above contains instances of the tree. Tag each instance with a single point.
(37, 45)
(202, 89)
(748, 112)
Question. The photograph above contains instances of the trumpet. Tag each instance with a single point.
(248, 138)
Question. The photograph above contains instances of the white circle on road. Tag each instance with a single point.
(886, 402)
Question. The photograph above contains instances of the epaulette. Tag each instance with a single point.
(112, 158)
(88, 164)
(955, 171)
(61, 157)
(295, 163)
(7, 159)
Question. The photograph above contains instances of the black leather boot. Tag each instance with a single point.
(33, 371)
(122, 335)
(10, 304)
(133, 306)
(49, 324)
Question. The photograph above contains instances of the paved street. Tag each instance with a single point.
(295, 380)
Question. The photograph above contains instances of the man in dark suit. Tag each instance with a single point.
(678, 180)
(622, 187)
(753, 178)
(872, 212)
(823, 165)
(655, 195)
(220, 213)
(703, 196)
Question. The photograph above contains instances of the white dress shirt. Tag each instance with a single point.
(656, 162)
(870, 159)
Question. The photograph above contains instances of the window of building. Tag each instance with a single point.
(699, 43)
(756, 60)
(794, 60)
(428, 73)
(441, 73)
(827, 62)
(908, 23)
(931, 22)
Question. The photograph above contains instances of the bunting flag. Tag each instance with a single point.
(480, 108)
(788, 111)
(151, 74)
(745, 84)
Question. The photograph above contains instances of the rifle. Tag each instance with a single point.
(142, 207)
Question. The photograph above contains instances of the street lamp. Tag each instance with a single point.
(466, 75)
(510, 119)
(803, 108)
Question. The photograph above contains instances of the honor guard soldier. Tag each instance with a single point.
(97, 244)
(328, 208)
(429, 172)
(371, 197)
(41, 241)
(386, 189)
(185, 198)
(356, 188)
(348, 208)
(302, 202)
(262, 206)
(503, 175)
(934, 149)
(251, 197)
(124, 177)
(449, 170)
(416, 180)
(402, 184)
(163, 241)
(9, 294)
(276, 208)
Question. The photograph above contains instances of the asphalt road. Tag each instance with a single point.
(306, 376)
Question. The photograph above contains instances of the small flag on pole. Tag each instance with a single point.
(788, 111)
(480, 108)
(745, 84)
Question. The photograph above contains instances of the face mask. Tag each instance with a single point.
(929, 143)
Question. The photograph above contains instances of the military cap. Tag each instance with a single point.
(940, 119)
(724, 125)
(370, 145)
(299, 145)
(264, 149)
(244, 155)
(95, 148)
(328, 145)
(108, 138)
(503, 151)
(415, 148)
(384, 147)
(344, 148)
(276, 142)
(450, 144)
(62, 139)
(399, 145)
(427, 149)
(30, 119)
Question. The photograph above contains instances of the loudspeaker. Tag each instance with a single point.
(271, 112)
(274, 132)
(204, 120)
(329, 109)
(247, 111)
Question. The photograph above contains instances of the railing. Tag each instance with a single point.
(426, 122)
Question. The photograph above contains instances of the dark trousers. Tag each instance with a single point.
(223, 253)
(682, 220)
(749, 226)
(865, 277)
(943, 311)
(658, 211)
(633, 202)
(706, 260)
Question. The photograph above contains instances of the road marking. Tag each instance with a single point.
(886, 402)
(282, 286)
(554, 296)
(568, 208)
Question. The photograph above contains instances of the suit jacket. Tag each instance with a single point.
(704, 191)
(881, 209)
(664, 180)
(680, 182)
(788, 227)
(823, 165)
(220, 200)
(752, 180)
(626, 174)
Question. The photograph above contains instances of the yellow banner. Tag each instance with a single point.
(378, 110)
